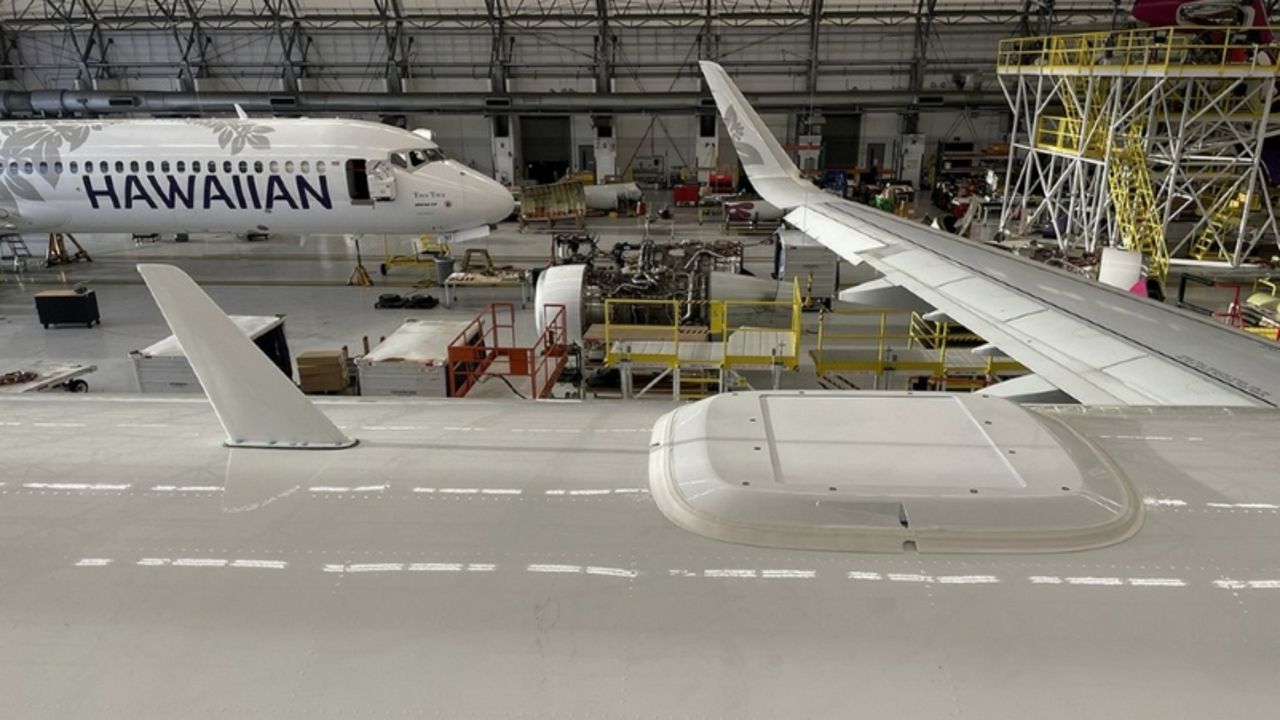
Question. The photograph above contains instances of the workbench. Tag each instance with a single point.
(504, 278)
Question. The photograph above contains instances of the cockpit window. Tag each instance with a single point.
(415, 158)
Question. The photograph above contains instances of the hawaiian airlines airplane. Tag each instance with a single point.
(240, 175)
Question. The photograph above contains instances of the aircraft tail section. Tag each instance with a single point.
(774, 176)
(257, 405)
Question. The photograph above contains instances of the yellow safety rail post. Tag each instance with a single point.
(825, 363)
(612, 330)
(771, 336)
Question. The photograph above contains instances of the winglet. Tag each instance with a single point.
(257, 405)
(240, 113)
(772, 173)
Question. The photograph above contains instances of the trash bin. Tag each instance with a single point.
(444, 268)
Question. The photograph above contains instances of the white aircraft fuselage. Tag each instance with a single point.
(232, 175)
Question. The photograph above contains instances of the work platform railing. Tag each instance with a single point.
(748, 333)
(904, 342)
(487, 347)
(700, 359)
(1214, 50)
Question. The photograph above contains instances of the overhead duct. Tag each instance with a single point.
(99, 102)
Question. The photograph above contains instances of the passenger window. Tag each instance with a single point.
(275, 166)
(227, 166)
(133, 166)
(103, 167)
(306, 166)
(57, 167)
(288, 166)
(320, 166)
(244, 166)
(44, 168)
(119, 166)
(13, 168)
(151, 166)
(164, 166)
(75, 167)
(257, 166)
(212, 166)
(27, 168)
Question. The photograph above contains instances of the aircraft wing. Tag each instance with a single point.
(1098, 344)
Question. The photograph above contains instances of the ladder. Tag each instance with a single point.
(697, 383)
(13, 247)
(1129, 179)
(1211, 243)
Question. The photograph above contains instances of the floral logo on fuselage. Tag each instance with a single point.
(41, 145)
(236, 135)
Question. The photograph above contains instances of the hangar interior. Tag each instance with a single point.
(595, 115)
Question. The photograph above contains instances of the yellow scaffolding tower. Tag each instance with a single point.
(1118, 137)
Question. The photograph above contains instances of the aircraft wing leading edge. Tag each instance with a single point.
(1100, 345)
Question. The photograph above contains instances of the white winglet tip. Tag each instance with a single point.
(257, 405)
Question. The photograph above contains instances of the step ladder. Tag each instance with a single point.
(697, 383)
(14, 248)
(1211, 243)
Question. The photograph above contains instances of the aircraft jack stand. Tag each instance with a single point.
(360, 276)
(477, 260)
(57, 253)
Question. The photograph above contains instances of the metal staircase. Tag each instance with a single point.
(13, 249)
(1212, 241)
(1129, 179)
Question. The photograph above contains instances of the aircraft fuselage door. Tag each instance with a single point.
(358, 182)
(382, 180)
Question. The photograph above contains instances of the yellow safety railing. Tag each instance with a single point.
(1140, 49)
(1064, 134)
(622, 335)
(876, 352)
(784, 353)
(772, 343)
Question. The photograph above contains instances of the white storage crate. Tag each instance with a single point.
(797, 256)
(412, 361)
(163, 368)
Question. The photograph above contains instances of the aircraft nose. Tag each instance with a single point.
(495, 202)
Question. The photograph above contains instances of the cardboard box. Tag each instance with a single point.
(321, 371)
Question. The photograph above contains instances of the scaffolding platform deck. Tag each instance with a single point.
(745, 348)
(872, 359)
